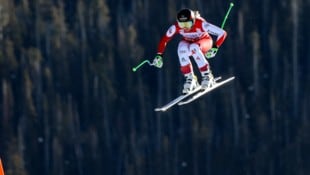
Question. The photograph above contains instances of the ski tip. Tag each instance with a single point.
(181, 103)
(162, 109)
(159, 110)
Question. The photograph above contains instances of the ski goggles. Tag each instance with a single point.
(187, 24)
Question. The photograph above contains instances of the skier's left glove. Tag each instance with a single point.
(212, 52)
(158, 61)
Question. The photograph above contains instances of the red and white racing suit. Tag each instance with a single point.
(196, 42)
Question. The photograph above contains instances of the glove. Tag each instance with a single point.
(158, 61)
(211, 53)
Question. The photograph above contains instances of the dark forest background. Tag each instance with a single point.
(70, 104)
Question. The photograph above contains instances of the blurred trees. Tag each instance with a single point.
(70, 103)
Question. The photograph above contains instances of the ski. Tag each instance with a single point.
(203, 92)
(177, 100)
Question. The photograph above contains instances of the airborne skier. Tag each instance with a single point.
(196, 42)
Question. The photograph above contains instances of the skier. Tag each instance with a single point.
(196, 42)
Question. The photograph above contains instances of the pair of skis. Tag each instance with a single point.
(195, 94)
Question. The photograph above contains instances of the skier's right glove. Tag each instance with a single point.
(158, 61)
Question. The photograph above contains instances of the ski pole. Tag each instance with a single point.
(211, 53)
(134, 69)
(225, 18)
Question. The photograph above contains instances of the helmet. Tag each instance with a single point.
(185, 15)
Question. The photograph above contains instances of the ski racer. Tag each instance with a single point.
(197, 43)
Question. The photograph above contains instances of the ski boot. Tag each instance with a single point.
(207, 79)
(190, 84)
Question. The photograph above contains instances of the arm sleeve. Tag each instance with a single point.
(216, 31)
(165, 39)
